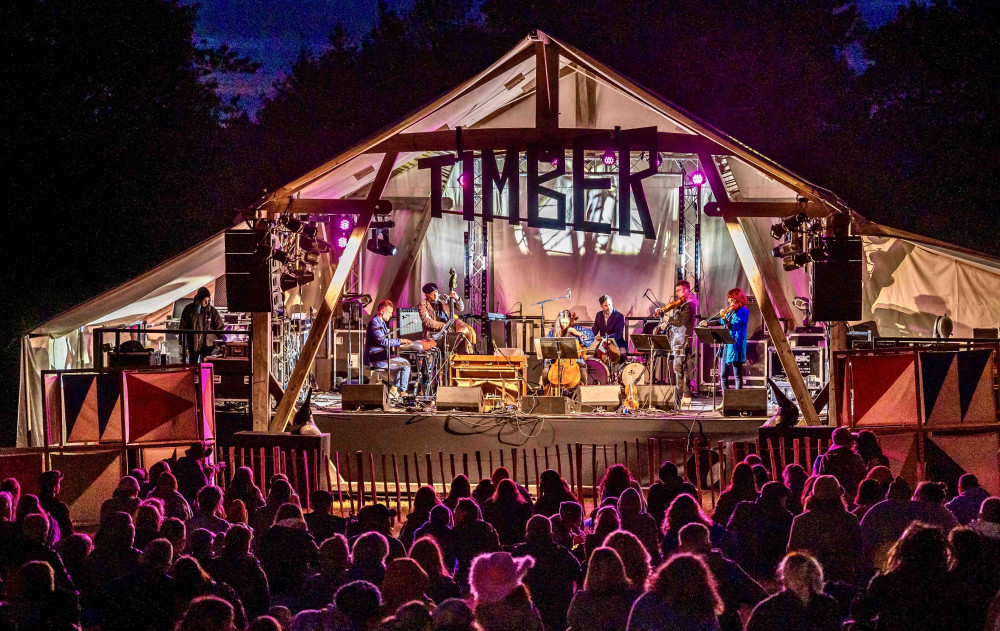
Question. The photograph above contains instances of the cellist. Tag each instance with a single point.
(564, 326)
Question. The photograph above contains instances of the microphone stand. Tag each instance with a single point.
(541, 303)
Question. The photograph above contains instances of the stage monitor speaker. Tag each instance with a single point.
(369, 396)
(251, 280)
(462, 398)
(657, 396)
(836, 295)
(745, 402)
(986, 334)
(545, 405)
(598, 398)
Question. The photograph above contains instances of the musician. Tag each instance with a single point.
(565, 326)
(677, 324)
(377, 345)
(734, 317)
(610, 323)
(435, 313)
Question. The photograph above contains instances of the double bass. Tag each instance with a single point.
(460, 326)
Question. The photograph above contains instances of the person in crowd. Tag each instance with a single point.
(637, 521)
(412, 615)
(841, 461)
(283, 615)
(760, 530)
(201, 545)
(870, 451)
(554, 576)
(288, 554)
(685, 510)
(928, 506)
(50, 485)
(368, 556)
(882, 475)
(869, 494)
(500, 599)
(209, 511)
(439, 527)
(29, 505)
(33, 545)
(240, 569)
(148, 520)
(917, 568)
(616, 479)
(143, 599)
(174, 504)
(965, 505)
(735, 587)
(567, 525)
(605, 522)
(379, 518)
(9, 530)
(242, 487)
(681, 595)
(279, 493)
(974, 574)
(12, 487)
(147, 487)
(460, 487)
(669, 485)
(193, 471)
(828, 531)
(124, 499)
(987, 524)
(801, 603)
(74, 550)
(38, 603)
(553, 490)
(236, 513)
(191, 582)
(424, 500)
(885, 522)
(761, 475)
(607, 596)
(502, 473)
(264, 623)
(794, 476)
(634, 556)
(471, 537)
(322, 523)
(508, 513)
(114, 556)
(483, 491)
(334, 562)
(360, 602)
(454, 614)
(441, 584)
(742, 488)
(404, 581)
(174, 531)
(208, 613)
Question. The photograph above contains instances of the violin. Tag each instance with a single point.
(670, 306)
(727, 311)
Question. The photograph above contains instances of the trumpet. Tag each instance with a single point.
(670, 306)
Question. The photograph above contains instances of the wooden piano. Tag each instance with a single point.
(502, 378)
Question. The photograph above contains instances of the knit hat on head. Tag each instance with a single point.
(843, 437)
(827, 488)
(429, 288)
(494, 576)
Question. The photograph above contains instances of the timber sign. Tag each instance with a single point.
(629, 184)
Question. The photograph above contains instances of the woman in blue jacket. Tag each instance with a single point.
(734, 317)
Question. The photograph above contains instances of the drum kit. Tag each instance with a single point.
(605, 367)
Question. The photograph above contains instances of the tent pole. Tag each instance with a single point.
(286, 407)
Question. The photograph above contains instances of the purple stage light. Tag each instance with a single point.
(461, 179)
(342, 242)
(609, 158)
(345, 224)
(697, 178)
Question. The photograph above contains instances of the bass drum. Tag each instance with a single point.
(633, 373)
(597, 373)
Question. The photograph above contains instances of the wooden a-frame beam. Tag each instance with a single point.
(774, 210)
(546, 84)
(286, 407)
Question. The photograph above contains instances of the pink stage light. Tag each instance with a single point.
(697, 178)
(609, 158)
(345, 224)
(342, 242)
(461, 179)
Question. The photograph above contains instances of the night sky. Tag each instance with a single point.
(274, 31)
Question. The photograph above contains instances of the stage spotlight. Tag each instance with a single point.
(280, 256)
(379, 243)
(287, 281)
(290, 222)
(322, 246)
(787, 249)
(309, 229)
(311, 257)
(342, 242)
(461, 179)
(794, 261)
(818, 253)
(345, 224)
(786, 225)
(697, 178)
(304, 276)
(609, 158)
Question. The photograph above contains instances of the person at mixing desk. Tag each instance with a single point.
(378, 341)
(200, 316)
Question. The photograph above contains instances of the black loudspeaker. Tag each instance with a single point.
(657, 396)
(986, 334)
(745, 402)
(545, 405)
(836, 295)
(592, 398)
(232, 378)
(251, 279)
(463, 398)
(369, 396)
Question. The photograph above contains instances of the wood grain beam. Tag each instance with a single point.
(546, 84)
(775, 209)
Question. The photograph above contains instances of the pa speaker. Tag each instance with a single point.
(592, 398)
(463, 398)
(369, 396)
(545, 405)
(836, 295)
(251, 279)
(744, 402)
(657, 396)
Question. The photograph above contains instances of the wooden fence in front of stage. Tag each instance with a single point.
(358, 478)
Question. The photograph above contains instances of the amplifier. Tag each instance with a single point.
(592, 398)
(660, 397)
(545, 405)
(811, 361)
(236, 349)
(369, 396)
(463, 398)
(745, 402)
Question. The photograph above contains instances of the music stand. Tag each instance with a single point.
(652, 346)
(714, 335)
(557, 348)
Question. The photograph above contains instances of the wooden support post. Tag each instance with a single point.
(286, 408)
(764, 283)
(260, 396)
(546, 84)
(838, 342)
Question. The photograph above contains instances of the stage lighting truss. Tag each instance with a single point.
(294, 242)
